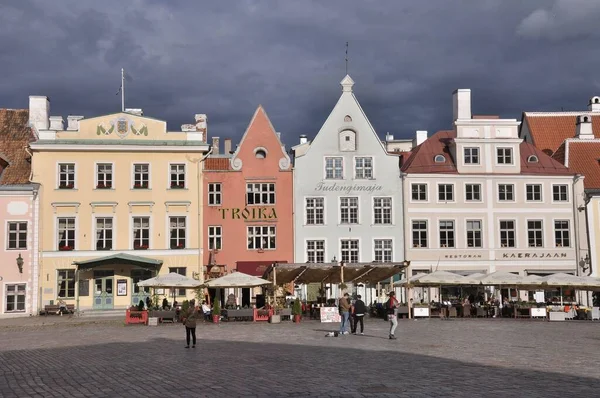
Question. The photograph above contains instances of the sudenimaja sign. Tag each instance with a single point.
(347, 189)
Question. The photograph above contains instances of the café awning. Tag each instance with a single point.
(120, 259)
(236, 279)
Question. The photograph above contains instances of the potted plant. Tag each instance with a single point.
(297, 310)
(216, 311)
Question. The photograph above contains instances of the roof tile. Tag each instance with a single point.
(15, 136)
(584, 158)
(549, 131)
(217, 164)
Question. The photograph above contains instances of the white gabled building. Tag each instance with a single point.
(347, 191)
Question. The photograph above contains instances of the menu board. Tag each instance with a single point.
(330, 315)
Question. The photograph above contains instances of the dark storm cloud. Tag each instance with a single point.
(224, 58)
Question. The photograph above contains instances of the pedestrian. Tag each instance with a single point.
(189, 321)
(360, 309)
(392, 311)
(345, 313)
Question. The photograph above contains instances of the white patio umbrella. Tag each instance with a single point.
(237, 279)
(473, 279)
(437, 278)
(409, 281)
(170, 281)
(502, 278)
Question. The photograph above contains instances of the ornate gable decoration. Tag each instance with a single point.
(121, 126)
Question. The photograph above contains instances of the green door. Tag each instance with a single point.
(103, 290)
(139, 293)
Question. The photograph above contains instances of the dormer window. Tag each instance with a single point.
(260, 153)
(532, 159)
(439, 159)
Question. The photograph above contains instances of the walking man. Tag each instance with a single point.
(360, 309)
(392, 310)
(345, 312)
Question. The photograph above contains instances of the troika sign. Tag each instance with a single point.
(251, 214)
(347, 189)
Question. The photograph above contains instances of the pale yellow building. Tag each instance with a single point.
(121, 198)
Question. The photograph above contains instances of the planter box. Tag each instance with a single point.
(275, 319)
(421, 312)
(556, 316)
(136, 317)
(153, 321)
(538, 312)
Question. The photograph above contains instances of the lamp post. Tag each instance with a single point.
(20, 263)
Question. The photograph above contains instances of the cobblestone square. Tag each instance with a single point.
(431, 358)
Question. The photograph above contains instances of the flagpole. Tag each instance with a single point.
(122, 90)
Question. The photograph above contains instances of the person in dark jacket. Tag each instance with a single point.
(360, 309)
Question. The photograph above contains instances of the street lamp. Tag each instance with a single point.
(20, 262)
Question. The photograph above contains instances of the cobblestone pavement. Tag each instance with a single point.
(431, 358)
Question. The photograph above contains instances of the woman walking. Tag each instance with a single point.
(189, 321)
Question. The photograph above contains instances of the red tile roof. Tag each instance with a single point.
(549, 130)
(217, 164)
(15, 136)
(422, 159)
(584, 158)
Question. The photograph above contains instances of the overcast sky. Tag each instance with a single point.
(224, 58)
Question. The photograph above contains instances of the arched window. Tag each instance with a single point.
(439, 159)
(533, 159)
(260, 154)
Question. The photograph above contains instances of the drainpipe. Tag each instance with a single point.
(200, 224)
(407, 290)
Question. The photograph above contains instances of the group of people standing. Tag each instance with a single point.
(353, 313)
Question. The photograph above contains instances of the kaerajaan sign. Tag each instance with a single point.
(533, 255)
(347, 189)
(252, 214)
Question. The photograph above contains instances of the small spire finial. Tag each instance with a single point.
(347, 84)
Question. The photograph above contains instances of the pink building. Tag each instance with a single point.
(19, 211)
(248, 205)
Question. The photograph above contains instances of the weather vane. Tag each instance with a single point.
(346, 57)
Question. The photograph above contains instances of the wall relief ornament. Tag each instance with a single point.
(236, 164)
(122, 127)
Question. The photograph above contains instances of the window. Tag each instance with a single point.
(334, 168)
(104, 176)
(474, 233)
(419, 233)
(180, 271)
(439, 159)
(214, 194)
(506, 192)
(141, 176)
(446, 192)
(66, 176)
(382, 208)
(560, 193)
(532, 159)
(383, 250)
(315, 210)
(315, 251)
(65, 283)
(561, 233)
(446, 233)
(177, 176)
(17, 235)
(364, 168)
(471, 155)
(350, 250)
(215, 237)
(177, 232)
(473, 192)
(349, 210)
(15, 298)
(141, 233)
(261, 238)
(535, 233)
(504, 155)
(534, 192)
(507, 233)
(104, 233)
(66, 234)
(260, 154)
(260, 194)
(419, 191)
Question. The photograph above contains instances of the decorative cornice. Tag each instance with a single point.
(147, 203)
(178, 203)
(76, 205)
(107, 204)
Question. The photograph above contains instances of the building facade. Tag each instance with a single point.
(19, 210)
(482, 200)
(248, 205)
(347, 191)
(573, 139)
(122, 199)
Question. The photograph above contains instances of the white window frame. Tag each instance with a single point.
(263, 191)
(67, 182)
(311, 212)
(18, 232)
(470, 156)
(108, 183)
(452, 191)
(412, 232)
(75, 229)
(541, 231)
(177, 184)
(568, 200)
(215, 237)
(512, 193)
(541, 193)
(350, 250)
(503, 156)
(419, 192)
(133, 182)
(16, 295)
(334, 167)
(383, 250)
(132, 243)
(567, 231)
(366, 172)
(480, 192)
(213, 194)
(95, 232)
(58, 271)
(178, 238)
(348, 209)
(315, 250)
(271, 234)
(384, 209)
(453, 231)
(508, 230)
(471, 234)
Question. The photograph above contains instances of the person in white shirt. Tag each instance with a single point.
(206, 310)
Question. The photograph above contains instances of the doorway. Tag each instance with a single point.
(245, 297)
(103, 290)
(139, 293)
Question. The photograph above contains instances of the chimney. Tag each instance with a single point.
(420, 137)
(39, 112)
(594, 104)
(56, 123)
(303, 139)
(389, 137)
(227, 146)
(73, 122)
(583, 129)
(461, 102)
(215, 145)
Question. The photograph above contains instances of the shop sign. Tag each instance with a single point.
(462, 256)
(252, 214)
(347, 189)
(534, 255)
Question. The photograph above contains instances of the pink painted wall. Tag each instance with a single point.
(260, 134)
